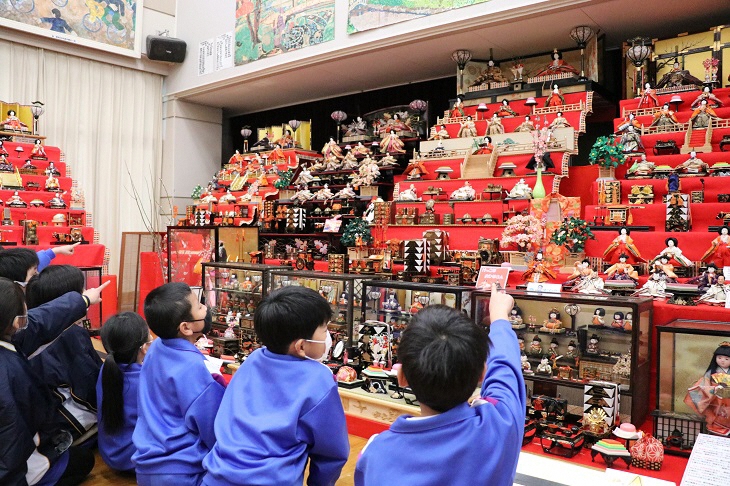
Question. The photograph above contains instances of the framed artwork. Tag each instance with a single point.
(109, 25)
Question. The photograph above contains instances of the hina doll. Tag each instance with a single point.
(592, 346)
(710, 395)
(486, 147)
(707, 279)
(526, 126)
(559, 121)
(525, 364)
(706, 95)
(494, 126)
(628, 321)
(702, 116)
(664, 117)
(557, 66)
(667, 269)
(718, 253)
(458, 109)
(535, 346)
(544, 367)
(505, 110)
(553, 323)
(585, 279)
(38, 152)
(468, 128)
(440, 134)
(555, 98)
(515, 318)
(392, 143)
(648, 97)
(675, 255)
(599, 317)
(286, 140)
(331, 148)
(538, 270)
(618, 320)
(622, 245)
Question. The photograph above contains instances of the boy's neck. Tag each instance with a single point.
(427, 411)
(193, 338)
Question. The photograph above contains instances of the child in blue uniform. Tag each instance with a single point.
(178, 397)
(34, 451)
(126, 338)
(20, 264)
(442, 353)
(282, 406)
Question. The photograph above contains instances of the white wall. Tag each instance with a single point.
(219, 18)
(191, 153)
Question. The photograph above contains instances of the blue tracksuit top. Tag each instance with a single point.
(464, 445)
(117, 448)
(278, 411)
(177, 403)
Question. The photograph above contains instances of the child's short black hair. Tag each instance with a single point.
(288, 314)
(15, 263)
(11, 305)
(166, 307)
(443, 354)
(53, 282)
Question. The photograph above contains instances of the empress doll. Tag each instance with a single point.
(557, 66)
(538, 270)
(718, 253)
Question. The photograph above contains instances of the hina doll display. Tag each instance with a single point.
(521, 190)
(710, 395)
(538, 270)
(12, 122)
(631, 140)
(718, 253)
(286, 140)
(622, 245)
(525, 365)
(346, 192)
(415, 170)
(553, 324)
(592, 346)
(675, 255)
(410, 194)
(467, 128)
(557, 66)
(655, 286)
(629, 121)
(505, 110)
(6, 166)
(544, 367)
(464, 193)
(492, 74)
(693, 165)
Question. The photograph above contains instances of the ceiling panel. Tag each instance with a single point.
(430, 57)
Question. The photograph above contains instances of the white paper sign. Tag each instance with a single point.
(206, 57)
(543, 287)
(702, 467)
(224, 51)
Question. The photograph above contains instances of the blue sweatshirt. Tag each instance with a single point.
(177, 403)
(278, 411)
(464, 445)
(44, 258)
(117, 448)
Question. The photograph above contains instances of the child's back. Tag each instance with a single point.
(178, 398)
(281, 408)
(461, 444)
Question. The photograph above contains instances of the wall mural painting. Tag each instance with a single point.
(371, 14)
(110, 25)
(265, 28)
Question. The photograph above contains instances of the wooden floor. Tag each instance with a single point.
(101, 475)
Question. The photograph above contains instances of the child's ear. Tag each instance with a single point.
(297, 348)
(185, 329)
(402, 382)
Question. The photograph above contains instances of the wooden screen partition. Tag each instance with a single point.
(133, 245)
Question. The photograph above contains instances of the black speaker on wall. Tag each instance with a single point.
(166, 49)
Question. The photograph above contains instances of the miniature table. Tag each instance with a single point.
(683, 294)
(610, 450)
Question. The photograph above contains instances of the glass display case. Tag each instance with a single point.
(343, 292)
(569, 340)
(388, 306)
(693, 388)
(233, 291)
(190, 246)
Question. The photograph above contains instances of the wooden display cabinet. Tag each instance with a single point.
(685, 349)
(342, 291)
(621, 354)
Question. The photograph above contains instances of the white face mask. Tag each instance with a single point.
(327, 346)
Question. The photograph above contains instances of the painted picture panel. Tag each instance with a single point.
(111, 25)
(371, 14)
(266, 28)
